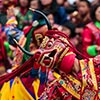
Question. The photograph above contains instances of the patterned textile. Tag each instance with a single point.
(68, 86)
(16, 92)
(24, 20)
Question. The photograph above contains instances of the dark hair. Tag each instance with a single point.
(88, 3)
(53, 7)
(93, 10)
(71, 26)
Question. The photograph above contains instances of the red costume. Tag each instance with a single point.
(83, 86)
(54, 53)
(90, 36)
(3, 56)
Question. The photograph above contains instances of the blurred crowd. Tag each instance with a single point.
(79, 19)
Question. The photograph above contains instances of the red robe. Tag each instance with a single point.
(90, 36)
(3, 55)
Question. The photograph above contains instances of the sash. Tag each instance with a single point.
(19, 54)
(73, 86)
(89, 87)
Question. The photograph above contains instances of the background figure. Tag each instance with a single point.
(69, 29)
(91, 34)
(81, 17)
(69, 16)
(57, 11)
(52, 22)
(84, 11)
(24, 15)
(34, 4)
(61, 2)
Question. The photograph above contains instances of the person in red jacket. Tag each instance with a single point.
(91, 34)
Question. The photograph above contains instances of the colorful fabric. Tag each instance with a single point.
(29, 35)
(19, 92)
(64, 86)
(61, 88)
(14, 32)
(11, 21)
(54, 91)
(72, 87)
(5, 91)
(15, 90)
(8, 50)
(24, 19)
(90, 37)
(36, 85)
(91, 50)
(89, 80)
(97, 24)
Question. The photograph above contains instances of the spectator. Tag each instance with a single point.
(69, 8)
(34, 4)
(51, 18)
(94, 2)
(91, 34)
(24, 16)
(53, 24)
(83, 15)
(60, 2)
(69, 29)
(58, 12)
(84, 11)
